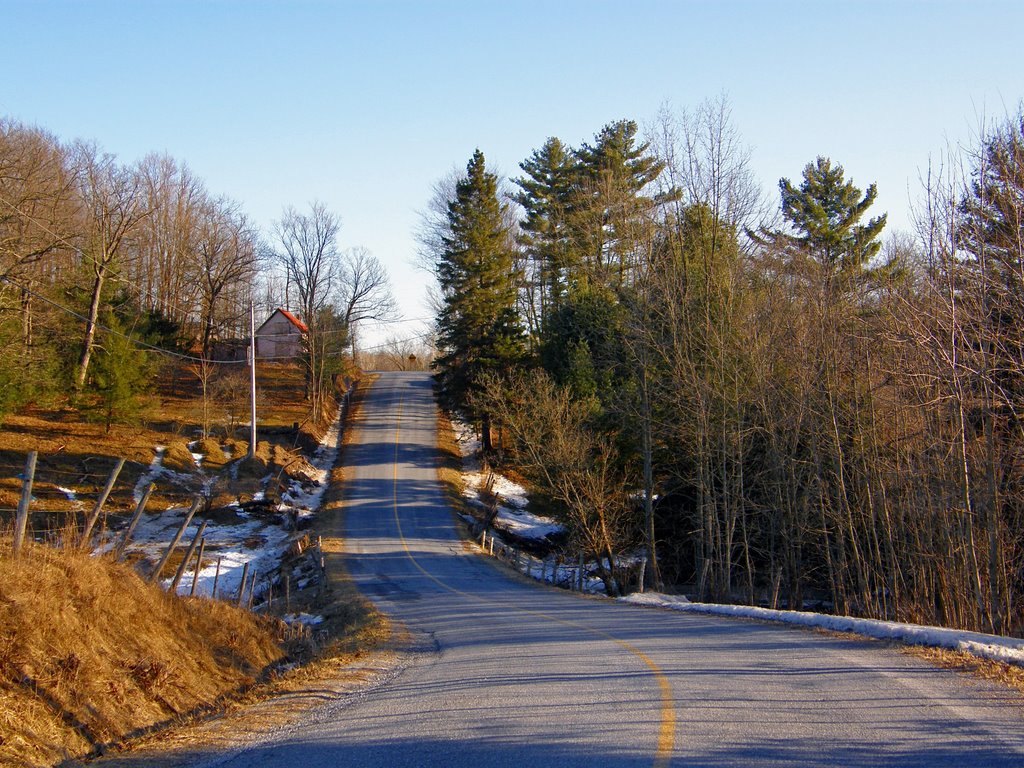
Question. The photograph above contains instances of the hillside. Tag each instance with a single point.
(91, 652)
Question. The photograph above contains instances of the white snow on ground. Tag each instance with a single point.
(1005, 649)
(307, 619)
(525, 525)
(155, 470)
(259, 542)
(512, 516)
(548, 570)
(72, 496)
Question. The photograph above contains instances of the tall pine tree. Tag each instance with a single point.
(478, 327)
(545, 196)
(825, 214)
(611, 209)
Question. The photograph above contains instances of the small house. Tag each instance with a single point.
(280, 336)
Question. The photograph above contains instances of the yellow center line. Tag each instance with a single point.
(667, 731)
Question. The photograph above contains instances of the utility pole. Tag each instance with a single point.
(252, 380)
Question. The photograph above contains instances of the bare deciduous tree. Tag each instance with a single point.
(364, 292)
(548, 434)
(111, 210)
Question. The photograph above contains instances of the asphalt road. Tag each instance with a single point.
(505, 673)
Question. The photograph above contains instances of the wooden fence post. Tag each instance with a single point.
(321, 586)
(198, 568)
(21, 521)
(90, 522)
(177, 537)
(187, 558)
(216, 578)
(127, 535)
(241, 587)
(252, 588)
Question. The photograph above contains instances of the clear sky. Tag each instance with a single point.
(363, 105)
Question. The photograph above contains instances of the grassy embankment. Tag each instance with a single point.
(91, 655)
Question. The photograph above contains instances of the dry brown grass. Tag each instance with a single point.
(90, 654)
(996, 671)
(78, 456)
(449, 468)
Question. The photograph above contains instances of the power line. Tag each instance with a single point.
(137, 342)
(172, 353)
(148, 292)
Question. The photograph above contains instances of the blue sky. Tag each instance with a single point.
(363, 105)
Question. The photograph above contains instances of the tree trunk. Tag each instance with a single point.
(90, 330)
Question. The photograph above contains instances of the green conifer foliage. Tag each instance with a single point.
(825, 213)
(545, 196)
(120, 377)
(611, 217)
(478, 328)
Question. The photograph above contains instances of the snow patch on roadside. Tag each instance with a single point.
(1008, 650)
(306, 619)
(155, 470)
(513, 499)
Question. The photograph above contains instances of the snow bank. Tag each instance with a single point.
(994, 647)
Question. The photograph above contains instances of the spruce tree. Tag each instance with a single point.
(478, 327)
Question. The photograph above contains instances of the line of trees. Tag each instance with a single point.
(99, 258)
(772, 401)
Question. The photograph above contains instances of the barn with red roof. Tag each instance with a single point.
(281, 336)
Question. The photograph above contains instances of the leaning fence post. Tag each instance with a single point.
(127, 535)
(21, 521)
(187, 558)
(492, 545)
(199, 567)
(90, 521)
(177, 537)
(216, 578)
(241, 586)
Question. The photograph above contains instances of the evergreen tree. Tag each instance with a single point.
(610, 215)
(478, 327)
(120, 377)
(824, 214)
(544, 196)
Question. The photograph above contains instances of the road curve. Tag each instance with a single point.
(505, 673)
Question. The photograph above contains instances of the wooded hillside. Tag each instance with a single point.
(773, 399)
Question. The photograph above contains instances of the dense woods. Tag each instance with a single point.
(107, 269)
(772, 397)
